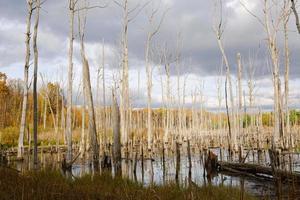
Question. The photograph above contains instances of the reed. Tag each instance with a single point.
(47, 184)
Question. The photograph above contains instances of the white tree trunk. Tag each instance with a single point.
(25, 86)
(70, 81)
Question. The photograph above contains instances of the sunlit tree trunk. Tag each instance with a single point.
(125, 82)
(25, 87)
(89, 96)
(82, 147)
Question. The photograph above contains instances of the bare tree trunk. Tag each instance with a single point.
(219, 91)
(151, 33)
(232, 133)
(287, 71)
(70, 81)
(240, 105)
(179, 125)
(89, 97)
(149, 90)
(116, 135)
(219, 29)
(125, 81)
(45, 114)
(104, 96)
(35, 100)
(63, 120)
(57, 117)
(166, 135)
(25, 87)
(98, 108)
(82, 147)
(251, 94)
(272, 44)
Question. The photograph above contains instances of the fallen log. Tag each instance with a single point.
(254, 170)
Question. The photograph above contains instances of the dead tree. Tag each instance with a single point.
(82, 147)
(116, 134)
(128, 16)
(35, 71)
(178, 60)
(88, 93)
(168, 96)
(30, 9)
(240, 118)
(153, 30)
(271, 25)
(104, 97)
(124, 100)
(274, 53)
(68, 129)
(219, 29)
(287, 13)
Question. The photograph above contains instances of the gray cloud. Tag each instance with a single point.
(194, 19)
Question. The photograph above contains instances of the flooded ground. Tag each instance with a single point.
(154, 173)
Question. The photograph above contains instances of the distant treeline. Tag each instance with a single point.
(51, 107)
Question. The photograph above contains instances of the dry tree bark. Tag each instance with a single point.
(45, 114)
(271, 25)
(219, 32)
(273, 48)
(88, 94)
(124, 100)
(240, 103)
(30, 9)
(128, 16)
(35, 96)
(286, 15)
(168, 96)
(104, 96)
(68, 132)
(153, 30)
(82, 147)
(116, 134)
(178, 58)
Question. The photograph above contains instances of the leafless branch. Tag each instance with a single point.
(118, 4)
(296, 15)
(251, 13)
(138, 12)
(90, 7)
(160, 23)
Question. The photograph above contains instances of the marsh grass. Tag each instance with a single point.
(49, 184)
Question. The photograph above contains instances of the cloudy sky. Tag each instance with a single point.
(193, 20)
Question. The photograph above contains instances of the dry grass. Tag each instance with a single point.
(52, 185)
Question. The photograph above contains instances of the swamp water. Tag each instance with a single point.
(154, 172)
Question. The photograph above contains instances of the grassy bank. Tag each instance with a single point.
(52, 185)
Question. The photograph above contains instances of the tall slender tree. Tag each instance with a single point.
(219, 30)
(152, 31)
(88, 93)
(30, 9)
(35, 71)
(68, 129)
